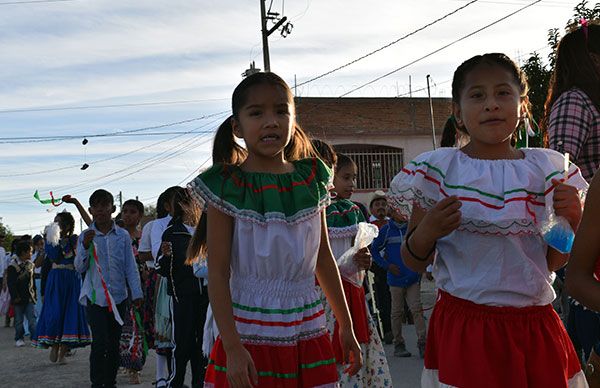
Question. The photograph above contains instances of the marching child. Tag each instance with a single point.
(267, 237)
(132, 351)
(476, 211)
(343, 217)
(189, 299)
(21, 286)
(105, 255)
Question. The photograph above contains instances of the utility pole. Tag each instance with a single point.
(285, 31)
(265, 36)
(120, 201)
(431, 112)
(410, 86)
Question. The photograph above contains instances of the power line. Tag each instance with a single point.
(52, 109)
(167, 154)
(94, 162)
(38, 139)
(34, 2)
(442, 48)
(196, 170)
(389, 44)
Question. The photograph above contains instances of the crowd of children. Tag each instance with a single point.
(255, 276)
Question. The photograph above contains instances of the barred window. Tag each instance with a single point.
(377, 165)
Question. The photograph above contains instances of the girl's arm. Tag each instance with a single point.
(240, 367)
(580, 281)
(427, 227)
(329, 280)
(568, 205)
(84, 214)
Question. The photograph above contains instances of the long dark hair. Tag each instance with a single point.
(68, 222)
(494, 59)
(185, 207)
(197, 245)
(225, 148)
(576, 67)
(325, 152)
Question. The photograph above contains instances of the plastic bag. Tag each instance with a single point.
(364, 236)
(557, 232)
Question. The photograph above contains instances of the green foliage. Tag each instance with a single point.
(581, 11)
(539, 74)
(150, 211)
(9, 236)
(553, 39)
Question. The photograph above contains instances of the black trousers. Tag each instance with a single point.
(383, 298)
(189, 314)
(106, 332)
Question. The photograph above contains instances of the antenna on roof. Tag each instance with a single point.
(431, 112)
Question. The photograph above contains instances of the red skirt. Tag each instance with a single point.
(309, 363)
(472, 345)
(355, 297)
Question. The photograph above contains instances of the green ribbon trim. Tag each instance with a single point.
(486, 194)
(92, 261)
(280, 375)
(277, 311)
(138, 320)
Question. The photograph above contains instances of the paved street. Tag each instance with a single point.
(29, 367)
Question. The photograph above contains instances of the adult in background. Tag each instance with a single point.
(573, 125)
(379, 208)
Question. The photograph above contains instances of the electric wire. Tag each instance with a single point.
(441, 48)
(38, 139)
(151, 161)
(52, 109)
(389, 44)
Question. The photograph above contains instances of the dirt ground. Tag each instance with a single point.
(30, 367)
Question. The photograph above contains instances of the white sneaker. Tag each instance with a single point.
(20, 343)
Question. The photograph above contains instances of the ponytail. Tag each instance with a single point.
(225, 149)
(197, 246)
(299, 146)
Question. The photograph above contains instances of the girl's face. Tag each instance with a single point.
(130, 216)
(266, 121)
(344, 181)
(490, 105)
(61, 223)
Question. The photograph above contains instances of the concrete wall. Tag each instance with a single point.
(411, 145)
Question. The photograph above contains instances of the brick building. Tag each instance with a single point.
(380, 134)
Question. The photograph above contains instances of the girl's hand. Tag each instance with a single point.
(351, 352)
(567, 203)
(442, 219)
(68, 199)
(241, 372)
(363, 259)
(166, 248)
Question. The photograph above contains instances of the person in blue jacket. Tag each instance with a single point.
(404, 283)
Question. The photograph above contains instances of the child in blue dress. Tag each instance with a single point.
(62, 324)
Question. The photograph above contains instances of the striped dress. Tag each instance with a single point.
(276, 238)
(493, 324)
(343, 217)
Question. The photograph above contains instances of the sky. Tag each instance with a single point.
(157, 77)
